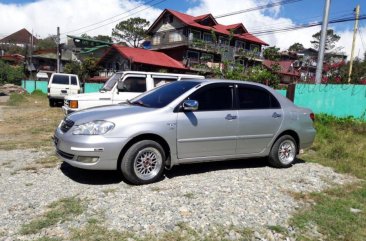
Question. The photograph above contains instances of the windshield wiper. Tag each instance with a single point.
(139, 102)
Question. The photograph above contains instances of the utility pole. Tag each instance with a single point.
(357, 10)
(58, 54)
(323, 36)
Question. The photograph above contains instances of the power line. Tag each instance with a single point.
(269, 5)
(96, 23)
(301, 26)
(124, 17)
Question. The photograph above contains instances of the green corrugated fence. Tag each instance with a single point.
(337, 100)
(31, 85)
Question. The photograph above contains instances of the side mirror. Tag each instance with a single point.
(121, 86)
(190, 105)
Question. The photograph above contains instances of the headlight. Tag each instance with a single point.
(93, 128)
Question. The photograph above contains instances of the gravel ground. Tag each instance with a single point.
(244, 193)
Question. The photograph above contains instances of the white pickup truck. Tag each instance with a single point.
(120, 87)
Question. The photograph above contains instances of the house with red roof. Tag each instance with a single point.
(286, 70)
(198, 40)
(120, 58)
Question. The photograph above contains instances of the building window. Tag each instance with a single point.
(175, 37)
(239, 44)
(156, 40)
(206, 57)
(193, 56)
(194, 35)
(223, 41)
(255, 48)
(207, 37)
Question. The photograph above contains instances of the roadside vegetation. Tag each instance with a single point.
(58, 212)
(28, 122)
(339, 213)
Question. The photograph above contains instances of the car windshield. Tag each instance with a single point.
(108, 86)
(162, 96)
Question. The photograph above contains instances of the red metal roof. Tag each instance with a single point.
(15, 58)
(218, 28)
(20, 37)
(286, 67)
(143, 56)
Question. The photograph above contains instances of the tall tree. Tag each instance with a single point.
(296, 47)
(330, 41)
(272, 53)
(133, 31)
(46, 43)
(104, 38)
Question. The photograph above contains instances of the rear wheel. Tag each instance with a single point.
(283, 152)
(143, 162)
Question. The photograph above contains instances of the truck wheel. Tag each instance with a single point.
(51, 102)
(143, 162)
(283, 152)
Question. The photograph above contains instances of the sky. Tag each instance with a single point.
(74, 17)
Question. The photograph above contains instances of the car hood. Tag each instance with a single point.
(89, 96)
(108, 112)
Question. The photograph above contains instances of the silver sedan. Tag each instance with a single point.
(186, 122)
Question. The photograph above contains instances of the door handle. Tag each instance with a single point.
(230, 117)
(276, 115)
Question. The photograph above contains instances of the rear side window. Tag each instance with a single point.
(60, 80)
(254, 97)
(214, 97)
(135, 84)
(73, 80)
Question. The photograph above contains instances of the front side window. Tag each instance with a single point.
(162, 96)
(60, 80)
(134, 84)
(254, 97)
(111, 82)
(214, 97)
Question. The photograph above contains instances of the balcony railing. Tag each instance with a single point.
(179, 39)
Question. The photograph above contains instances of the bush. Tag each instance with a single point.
(10, 74)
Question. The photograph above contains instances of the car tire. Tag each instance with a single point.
(143, 163)
(283, 152)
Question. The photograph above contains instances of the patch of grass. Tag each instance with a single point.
(277, 229)
(16, 99)
(183, 232)
(59, 211)
(49, 239)
(341, 144)
(29, 123)
(189, 195)
(109, 190)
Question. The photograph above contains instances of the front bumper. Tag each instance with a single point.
(72, 147)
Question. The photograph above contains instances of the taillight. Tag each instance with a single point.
(312, 116)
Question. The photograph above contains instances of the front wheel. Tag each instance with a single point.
(283, 152)
(143, 162)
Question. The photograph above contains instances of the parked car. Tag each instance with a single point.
(61, 85)
(185, 122)
(120, 87)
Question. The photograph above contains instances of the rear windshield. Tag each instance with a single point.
(60, 80)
